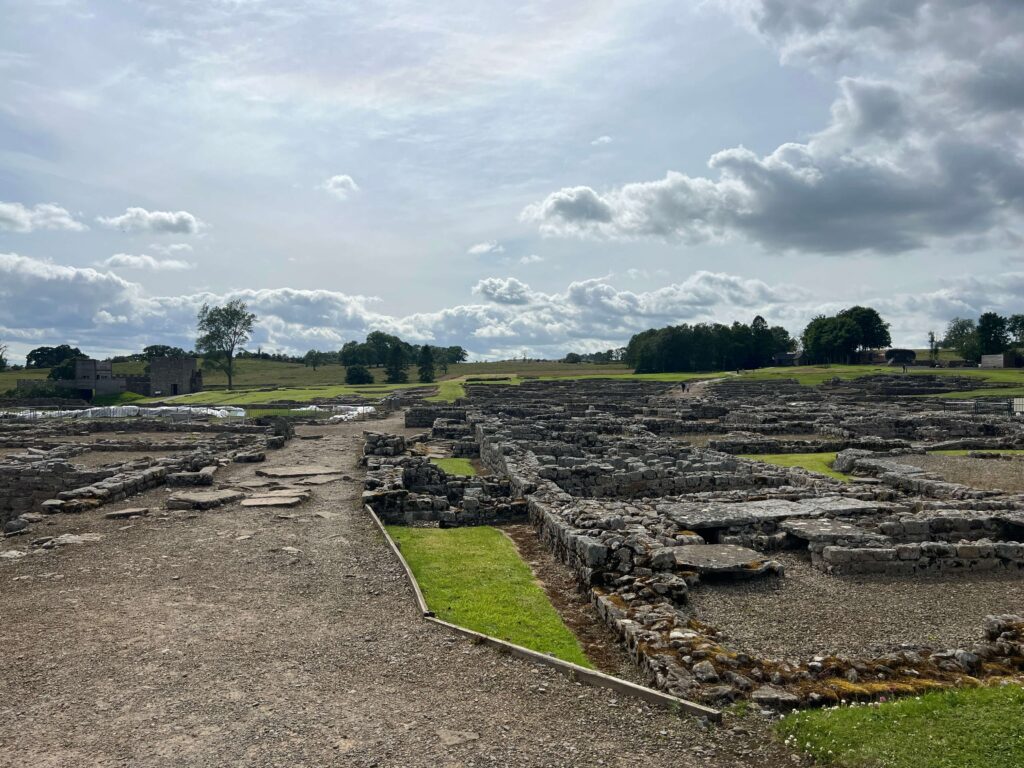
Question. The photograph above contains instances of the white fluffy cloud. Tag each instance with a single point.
(158, 222)
(46, 303)
(601, 141)
(923, 143)
(503, 290)
(481, 249)
(144, 261)
(341, 186)
(16, 217)
(532, 258)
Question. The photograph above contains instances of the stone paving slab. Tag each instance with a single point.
(828, 529)
(717, 558)
(273, 501)
(307, 470)
(203, 499)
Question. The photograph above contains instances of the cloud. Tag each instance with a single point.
(171, 248)
(532, 258)
(342, 186)
(143, 261)
(105, 313)
(158, 222)
(922, 144)
(480, 249)
(15, 217)
(503, 290)
(601, 141)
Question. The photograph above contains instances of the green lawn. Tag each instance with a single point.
(815, 462)
(456, 466)
(967, 728)
(812, 375)
(474, 577)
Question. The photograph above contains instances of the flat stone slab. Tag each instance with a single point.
(697, 516)
(826, 529)
(119, 514)
(203, 499)
(320, 479)
(718, 558)
(273, 501)
(298, 471)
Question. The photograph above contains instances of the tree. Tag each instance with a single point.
(993, 338)
(358, 374)
(354, 353)
(831, 339)
(572, 358)
(48, 357)
(425, 364)
(222, 330)
(395, 368)
(313, 359)
(162, 350)
(874, 331)
(64, 370)
(962, 336)
(933, 349)
(1015, 326)
(3, 356)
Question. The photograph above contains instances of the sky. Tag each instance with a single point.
(527, 179)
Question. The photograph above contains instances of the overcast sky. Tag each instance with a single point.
(532, 178)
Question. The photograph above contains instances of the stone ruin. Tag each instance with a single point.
(642, 493)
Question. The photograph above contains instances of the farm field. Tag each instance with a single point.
(254, 379)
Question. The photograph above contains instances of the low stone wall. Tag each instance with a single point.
(928, 556)
(377, 444)
(425, 416)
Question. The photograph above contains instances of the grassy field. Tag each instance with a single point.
(474, 577)
(970, 728)
(815, 462)
(462, 467)
(301, 384)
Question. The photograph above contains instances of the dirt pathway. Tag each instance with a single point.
(249, 637)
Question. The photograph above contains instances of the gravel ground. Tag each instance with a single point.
(198, 639)
(808, 613)
(984, 474)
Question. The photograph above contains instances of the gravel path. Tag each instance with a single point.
(808, 612)
(206, 639)
(984, 474)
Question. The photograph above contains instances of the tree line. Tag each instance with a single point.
(990, 334)
(223, 332)
(718, 347)
(707, 347)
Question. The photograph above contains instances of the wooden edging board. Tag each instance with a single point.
(573, 671)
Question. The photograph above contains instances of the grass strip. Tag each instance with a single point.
(964, 728)
(814, 462)
(475, 578)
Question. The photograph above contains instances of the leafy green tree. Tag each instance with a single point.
(358, 374)
(874, 332)
(425, 364)
(962, 336)
(993, 337)
(831, 339)
(64, 370)
(572, 358)
(48, 357)
(1015, 326)
(222, 330)
(3, 356)
(395, 367)
(162, 350)
(313, 359)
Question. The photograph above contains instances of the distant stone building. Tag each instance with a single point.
(1002, 360)
(787, 358)
(167, 376)
(174, 376)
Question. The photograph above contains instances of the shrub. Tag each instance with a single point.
(358, 374)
